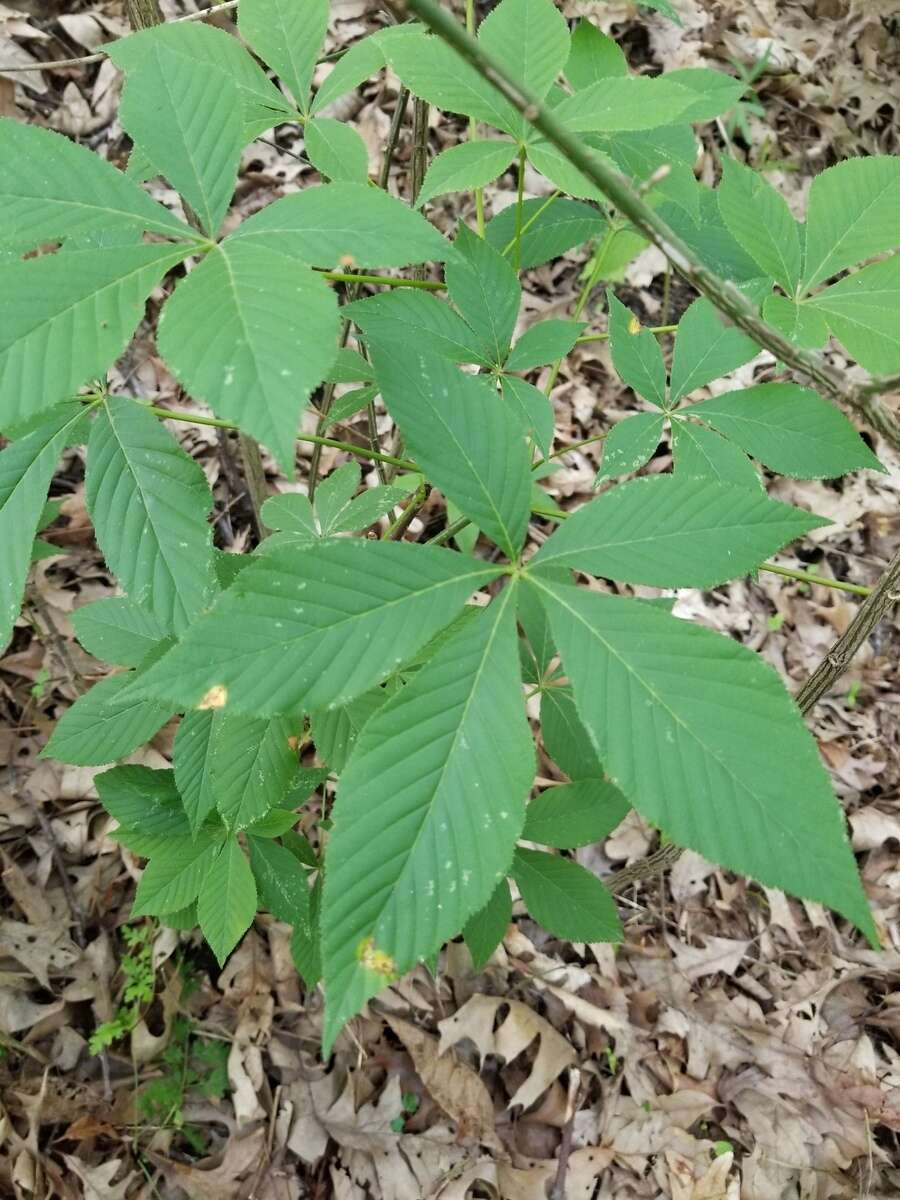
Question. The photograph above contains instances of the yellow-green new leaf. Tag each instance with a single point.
(428, 811)
(64, 318)
(302, 629)
(251, 332)
(700, 735)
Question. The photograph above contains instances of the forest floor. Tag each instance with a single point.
(739, 1044)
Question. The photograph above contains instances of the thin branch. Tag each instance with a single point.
(811, 364)
(16, 68)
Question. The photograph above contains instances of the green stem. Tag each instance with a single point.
(589, 285)
(520, 200)
(531, 220)
(617, 189)
(382, 280)
(603, 337)
(473, 129)
(402, 464)
(809, 577)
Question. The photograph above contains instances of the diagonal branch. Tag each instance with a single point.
(862, 398)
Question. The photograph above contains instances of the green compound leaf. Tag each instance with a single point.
(700, 735)
(262, 105)
(702, 452)
(174, 875)
(462, 436)
(532, 409)
(484, 932)
(853, 213)
(288, 36)
(26, 469)
(485, 289)
(706, 348)
(52, 188)
(630, 444)
(565, 898)
(575, 814)
(336, 150)
(105, 724)
(863, 311)
(117, 631)
(281, 882)
(549, 229)
(761, 221)
(636, 354)
(252, 767)
(345, 223)
(230, 335)
(427, 813)
(543, 343)
(669, 531)
(466, 166)
(65, 317)
(302, 629)
(149, 503)
(565, 738)
(226, 904)
(415, 318)
(431, 70)
(192, 758)
(790, 429)
(593, 56)
(800, 322)
(530, 39)
(625, 103)
(186, 116)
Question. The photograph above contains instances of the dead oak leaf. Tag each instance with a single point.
(453, 1085)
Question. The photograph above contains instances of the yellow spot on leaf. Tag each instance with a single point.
(376, 960)
(634, 325)
(216, 697)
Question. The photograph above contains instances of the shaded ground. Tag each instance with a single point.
(738, 1044)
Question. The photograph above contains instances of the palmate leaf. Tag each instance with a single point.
(549, 229)
(699, 734)
(51, 188)
(230, 334)
(226, 904)
(335, 729)
(853, 213)
(65, 318)
(798, 321)
(543, 343)
(362, 60)
(262, 104)
(565, 738)
(336, 150)
(149, 503)
(532, 409)
(790, 429)
(436, 73)
(345, 223)
(530, 39)
(175, 873)
(105, 724)
(26, 469)
(302, 629)
(706, 348)
(760, 219)
(186, 116)
(281, 882)
(117, 630)
(566, 898)
(427, 813)
(669, 531)
(863, 311)
(701, 452)
(140, 797)
(462, 436)
(465, 166)
(288, 36)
